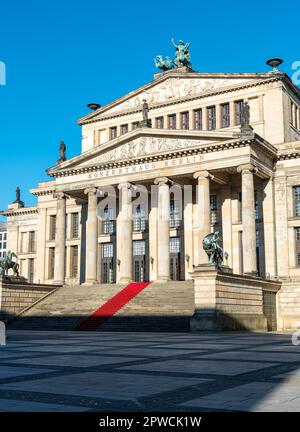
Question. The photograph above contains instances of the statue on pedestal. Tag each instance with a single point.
(7, 263)
(18, 197)
(211, 245)
(62, 152)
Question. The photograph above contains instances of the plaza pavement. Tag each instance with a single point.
(104, 371)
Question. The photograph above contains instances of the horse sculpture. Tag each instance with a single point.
(7, 263)
(211, 245)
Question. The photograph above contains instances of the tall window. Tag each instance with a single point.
(213, 209)
(74, 261)
(256, 203)
(23, 242)
(139, 218)
(108, 225)
(30, 270)
(296, 193)
(174, 244)
(172, 121)
(124, 129)
(134, 125)
(174, 221)
(31, 241)
(138, 247)
(198, 119)
(113, 132)
(184, 120)
(52, 227)
(75, 225)
(297, 246)
(51, 263)
(238, 105)
(211, 118)
(159, 122)
(225, 115)
(107, 250)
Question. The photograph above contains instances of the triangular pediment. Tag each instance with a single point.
(173, 86)
(142, 143)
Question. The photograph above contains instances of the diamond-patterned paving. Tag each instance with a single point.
(92, 371)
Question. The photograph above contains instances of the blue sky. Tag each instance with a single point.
(60, 55)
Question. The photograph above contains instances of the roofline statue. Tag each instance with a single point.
(182, 57)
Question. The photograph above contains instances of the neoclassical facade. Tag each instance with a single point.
(198, 174)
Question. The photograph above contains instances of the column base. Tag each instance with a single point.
(58, 283)
(125, 280)
(162, 280)
(90, 282)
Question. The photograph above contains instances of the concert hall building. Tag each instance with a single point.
(246, 186)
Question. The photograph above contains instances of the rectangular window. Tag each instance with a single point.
(159, 122)
(124, 129)
(297, 246)
(75, 225)
(211, 118)
(31, 270)
(134, 125)
(4, 236)
(74, 261)
(296, 196)
(238, 105)
(225, 115)
(213, 209)
(240, 208)
(174, 244)
(31, 242)
(108, 224)
(256, 203)
(0, 236)
(23, 242)
(139, 218)
(175, 218)
(198, 119)
(52, 227)
(172, 121)
(51, 263)
(113, 132)
(107, 250)
(184, 120)
(139, 247)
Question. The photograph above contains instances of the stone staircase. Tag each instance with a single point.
(159, 307)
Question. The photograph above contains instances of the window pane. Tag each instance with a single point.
(185, 120)
(213, 209)
(174, 244)
(172, 121)
(198, 119)
(211, 117)
(225, 113)
(296, 200)
(75, 225)
(238, 110)
(124, 129)
(159, 122)
(139, 247)
(107, 250)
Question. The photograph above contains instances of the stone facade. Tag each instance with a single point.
(240, 185)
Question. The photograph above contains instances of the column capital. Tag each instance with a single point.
(59, 195)
(162, 180)
(90, 191)
(247, 168)
(203, 174)
(124, 185)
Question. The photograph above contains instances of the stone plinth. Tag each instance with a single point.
(226, 301)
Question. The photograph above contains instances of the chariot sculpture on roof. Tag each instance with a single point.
(182, 57)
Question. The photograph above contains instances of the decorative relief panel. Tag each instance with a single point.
(144, 146)
(175, 88)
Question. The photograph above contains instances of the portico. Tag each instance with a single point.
(188, 197)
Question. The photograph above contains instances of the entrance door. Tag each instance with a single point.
(175, 258)
(108, 268)
(139, 261)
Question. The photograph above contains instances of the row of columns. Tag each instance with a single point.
(124, 227)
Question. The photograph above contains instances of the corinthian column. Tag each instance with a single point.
(202, 223)
(163, 229)
(91, 237)
(248, 218)
(60, 238)
(124, 234)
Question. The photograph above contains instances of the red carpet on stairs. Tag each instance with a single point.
(111, 307)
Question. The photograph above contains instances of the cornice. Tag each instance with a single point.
(208, 148)
(42, 192)
(288, 155)
(20, 212)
